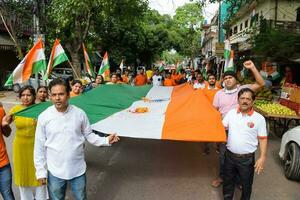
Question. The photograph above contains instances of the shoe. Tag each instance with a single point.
(217, 182)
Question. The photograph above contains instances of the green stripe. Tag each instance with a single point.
(98, 103)
(226, 53)
(103, 69)
(39, 66)
(10, 81)
(161, 68)
(60, 59)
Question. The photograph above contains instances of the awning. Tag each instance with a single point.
(6, 43)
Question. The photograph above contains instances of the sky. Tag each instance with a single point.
(169, 7)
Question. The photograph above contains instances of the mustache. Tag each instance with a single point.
(245, 104)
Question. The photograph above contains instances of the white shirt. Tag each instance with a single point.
(244, 131)
(198, 85)
(157, 80)
(59, 142)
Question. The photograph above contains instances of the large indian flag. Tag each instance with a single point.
(154, 112)
(33, 62)
(57, 57)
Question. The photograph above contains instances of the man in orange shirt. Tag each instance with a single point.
(211, 89)
(175, 76)
(168, 80)
(125, 76)
(140, 79)
(5, 169)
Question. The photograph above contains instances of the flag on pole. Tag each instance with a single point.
(229, 56)
(88, 65)
(229, 65)
(32, 63)
(121, 66)
(104, 68)
(227, 49)
(57, 57)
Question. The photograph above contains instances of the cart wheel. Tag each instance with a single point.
(292, 162)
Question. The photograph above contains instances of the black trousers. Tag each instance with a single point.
(238, 166)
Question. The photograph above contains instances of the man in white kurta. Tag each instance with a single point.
(59, 144)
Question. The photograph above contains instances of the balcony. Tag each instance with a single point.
(290, 26)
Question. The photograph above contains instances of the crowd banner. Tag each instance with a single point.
(152, 112)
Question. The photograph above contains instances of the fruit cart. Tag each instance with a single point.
(277, 116)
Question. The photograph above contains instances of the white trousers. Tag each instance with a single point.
(31, 193)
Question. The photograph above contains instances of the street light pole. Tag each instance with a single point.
(36, 30)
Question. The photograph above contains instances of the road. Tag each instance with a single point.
(136, 169)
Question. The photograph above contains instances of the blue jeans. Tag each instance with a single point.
(57, 187)
(5, 183)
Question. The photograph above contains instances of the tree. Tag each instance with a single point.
(188, 19)
(105, 25)
(17, 19)
(278, 44)
(171, 57)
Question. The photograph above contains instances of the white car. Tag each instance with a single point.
(290, 153)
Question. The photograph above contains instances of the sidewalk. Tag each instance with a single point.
(9, 97)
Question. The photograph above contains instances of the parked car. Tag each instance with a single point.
(64, 73)
(290, 153)
(32, 81)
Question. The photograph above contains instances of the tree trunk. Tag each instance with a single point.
(75, 63)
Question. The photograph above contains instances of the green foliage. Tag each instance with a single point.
(277, 44)
(127, 29)
(188, 19)
(171, 57)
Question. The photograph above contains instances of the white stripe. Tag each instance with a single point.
(40, 55)
(58, 50)
(17, 73)
(128, 124)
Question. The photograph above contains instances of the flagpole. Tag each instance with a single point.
(73, 69)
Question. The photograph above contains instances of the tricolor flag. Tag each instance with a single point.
(88, 65)
(229, 64)
(153, 112)
(57, 57)
(33, 62)
(229, 56)
(104, 68)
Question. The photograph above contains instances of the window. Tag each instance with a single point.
(246, 23)
(241, 26)
(235, 30)
(231, 31)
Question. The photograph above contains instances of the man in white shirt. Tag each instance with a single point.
(157, 78)
(246, 129)
(200, 83)
(59, 144)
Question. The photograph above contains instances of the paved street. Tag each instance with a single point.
(136, 169)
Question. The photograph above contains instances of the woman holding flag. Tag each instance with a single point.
(24, 171)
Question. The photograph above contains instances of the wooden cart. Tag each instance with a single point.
(279, 124)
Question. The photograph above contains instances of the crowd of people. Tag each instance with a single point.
(44, 155)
